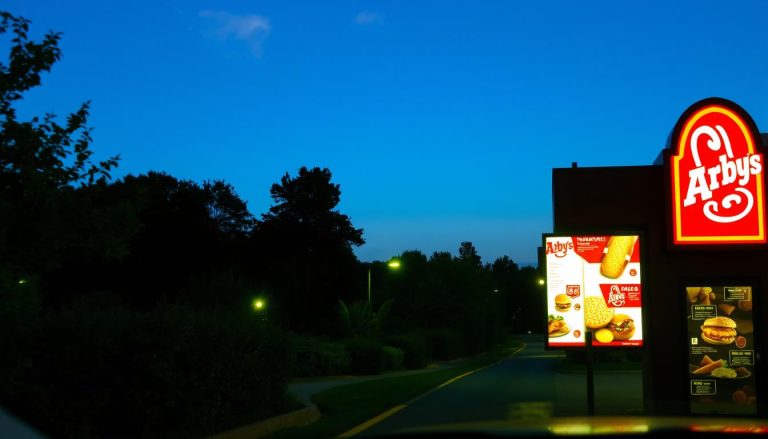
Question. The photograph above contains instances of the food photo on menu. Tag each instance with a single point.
(721, 349)
(594, 285)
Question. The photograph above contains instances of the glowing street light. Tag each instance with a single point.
(541, 282)
(258, 305)
(393, 264)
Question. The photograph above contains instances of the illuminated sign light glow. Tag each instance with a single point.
(717, 177)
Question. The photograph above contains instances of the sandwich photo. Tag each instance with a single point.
(617, 254)
(622, 327)
(562, 302)
(718, 330)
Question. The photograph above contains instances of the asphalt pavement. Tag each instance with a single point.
(524, 386)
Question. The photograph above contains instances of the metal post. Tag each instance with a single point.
(369, 285)
(590, 377)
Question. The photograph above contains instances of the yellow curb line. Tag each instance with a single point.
(375, 420)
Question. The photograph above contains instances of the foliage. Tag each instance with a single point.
(358, 319)
(228, 212)
(416, 351)
(19, 298)
(315, 356)
(303, 247)
(189, 238)
(366, 356)
(41, 164)
(82, 373)
(393, 357)
(446, 343)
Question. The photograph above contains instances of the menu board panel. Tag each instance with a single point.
(593, 284)
(721, 353)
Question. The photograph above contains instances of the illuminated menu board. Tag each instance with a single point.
(593, 284)
(721, 350)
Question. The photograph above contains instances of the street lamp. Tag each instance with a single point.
(393, 264)
(258, 304)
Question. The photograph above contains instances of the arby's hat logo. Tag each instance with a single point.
(717, 185)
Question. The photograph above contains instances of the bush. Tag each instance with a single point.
(115, 373)
(366, 356)
(446, 344)
(393, 358)
(415, 348)
(319, 357)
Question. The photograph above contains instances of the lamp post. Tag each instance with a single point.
(393, 264)
(259, 306)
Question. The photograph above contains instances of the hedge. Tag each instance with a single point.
(96, 373)
(315, 356)
(416, 350)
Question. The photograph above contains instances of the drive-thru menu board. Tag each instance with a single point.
(721, 350)
(593, 284)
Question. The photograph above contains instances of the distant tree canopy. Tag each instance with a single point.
(153, 239)
(305, 249)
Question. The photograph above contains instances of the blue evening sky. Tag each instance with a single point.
(441, 120)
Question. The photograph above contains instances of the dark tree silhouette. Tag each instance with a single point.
(228, 211)
(42, 163)
(184, 238)
(503, 264)
(468, 254)
(304, 246)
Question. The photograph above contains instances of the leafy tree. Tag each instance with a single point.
(42, 164)
(303, 245)
(503, 265)
(228, 211)
(309, 200)
(190, 238)
(468, 254)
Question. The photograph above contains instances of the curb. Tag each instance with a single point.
(376, 419)
(297, 418)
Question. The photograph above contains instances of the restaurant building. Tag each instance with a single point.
(699, 217)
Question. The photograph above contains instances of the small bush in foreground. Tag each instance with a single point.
(319, 357)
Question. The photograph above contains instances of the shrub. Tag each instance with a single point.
(366, 356)
(319, 357)
(393, 358)
(415, 348)
(446, 344)
(116, 373)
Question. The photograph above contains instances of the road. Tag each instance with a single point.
(526, 385)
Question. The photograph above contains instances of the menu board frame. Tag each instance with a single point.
(641, 236)
(694, 407)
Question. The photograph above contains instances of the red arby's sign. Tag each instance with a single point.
(716, 169)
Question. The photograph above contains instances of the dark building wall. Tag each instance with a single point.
(600, 200)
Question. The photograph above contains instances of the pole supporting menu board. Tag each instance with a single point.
(593, 284)
(721, 352)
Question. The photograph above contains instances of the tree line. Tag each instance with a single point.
(69, 232)
(138, 285)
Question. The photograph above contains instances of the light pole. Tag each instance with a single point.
(393, 264)
(259, 306)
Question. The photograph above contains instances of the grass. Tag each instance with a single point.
(347, 406)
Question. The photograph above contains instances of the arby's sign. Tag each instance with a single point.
(716, 167)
